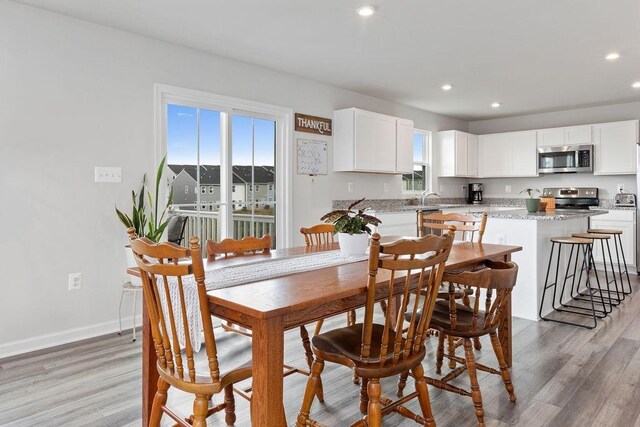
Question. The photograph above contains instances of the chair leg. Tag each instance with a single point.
(504, 370)
(319, 323)
(402, 383)
(364, 395)
(158, 401)
(374, 409)
(476, 396)
(476, 343)
(230, 408)
(351, 320)
(423, 395)
(451, 350)
(440, 353)
(200, 409)
(304, 335)
(309, 392)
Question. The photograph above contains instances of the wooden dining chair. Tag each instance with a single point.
(256, 246)
(452, 319)
(376, 351)
(321, 235)
(247, 246)
(469, 228)
(202, 376)
(317, 235)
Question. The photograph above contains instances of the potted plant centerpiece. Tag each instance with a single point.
(145, 216)
(352, 229)
(533, 203)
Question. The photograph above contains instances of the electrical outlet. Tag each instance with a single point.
(620, 188)
(75, 281)
(350, 187)
(500, 239)
(507, 189)
(386, 187)
(108, 174)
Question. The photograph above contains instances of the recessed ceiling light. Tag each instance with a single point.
(447, 87)
(365, 10)
(495, 104)
(612, 56)
(635, 85)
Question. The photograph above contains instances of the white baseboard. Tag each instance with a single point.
(28, 345)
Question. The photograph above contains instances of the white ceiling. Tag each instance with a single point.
(530, 55)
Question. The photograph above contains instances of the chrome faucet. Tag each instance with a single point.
(425, 194)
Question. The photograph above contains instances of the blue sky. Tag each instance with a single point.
(182, 137)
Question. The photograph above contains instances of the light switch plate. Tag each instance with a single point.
(108, 174)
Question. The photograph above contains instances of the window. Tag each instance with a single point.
(270, 187)
(186, 189)
(203, 189)
(250, 187)
(211, 190)
(420, 179)
(233, 189)
(257, 187)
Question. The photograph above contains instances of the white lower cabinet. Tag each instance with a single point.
(398, 224)
(618, 220)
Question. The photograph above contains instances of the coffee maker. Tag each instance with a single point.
(474, 193)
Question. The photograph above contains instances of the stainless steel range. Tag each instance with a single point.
(574, 198)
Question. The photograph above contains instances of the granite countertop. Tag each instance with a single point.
(390, 206)
(542, 216)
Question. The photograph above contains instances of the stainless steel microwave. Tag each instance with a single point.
(565, 159)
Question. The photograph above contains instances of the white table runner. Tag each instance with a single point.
(225, 277)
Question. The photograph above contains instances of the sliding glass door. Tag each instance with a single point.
(222, 167)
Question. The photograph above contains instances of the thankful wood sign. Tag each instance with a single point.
(313, 124)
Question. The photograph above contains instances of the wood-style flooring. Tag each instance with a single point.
(563, 376)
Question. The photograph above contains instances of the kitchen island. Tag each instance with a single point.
(532, 231)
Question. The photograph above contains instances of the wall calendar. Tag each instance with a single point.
(312, 157)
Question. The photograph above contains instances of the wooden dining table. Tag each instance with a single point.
(270, 307)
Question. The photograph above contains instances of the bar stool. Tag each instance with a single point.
(615, 297)
(577, 246)
(617, 240)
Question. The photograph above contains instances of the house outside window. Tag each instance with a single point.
(420, 179)
(186, 189)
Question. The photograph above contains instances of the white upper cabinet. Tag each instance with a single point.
(524, 153)
(550, 137)
(578, 135)
(404, 146)
(370, 142)
(615, 148)
(472, 155)
(458, 154)
(510, 154)
(573, 135)
(495, 155)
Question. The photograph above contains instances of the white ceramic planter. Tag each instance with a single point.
(131, 262)
(353, 244)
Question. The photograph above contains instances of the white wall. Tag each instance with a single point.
(608, 184)
(77, 95)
